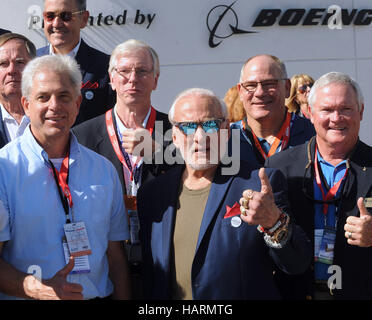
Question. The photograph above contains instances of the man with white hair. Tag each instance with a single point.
(126, 133)
(329, 181)
(62, 217)
(198, 242)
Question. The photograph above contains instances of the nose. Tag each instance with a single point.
(336, 116)
(259, 90)
(57, 21)
(133, 76)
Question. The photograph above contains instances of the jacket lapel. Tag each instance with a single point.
(3, 138)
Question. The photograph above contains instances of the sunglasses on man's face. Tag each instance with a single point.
(304, 87)
(65, 16)
(210, 126)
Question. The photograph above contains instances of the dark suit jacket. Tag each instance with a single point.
(94, 69)
(230, 262)
(355, 262)
(93, 134)
(3, 137)
(301, 131)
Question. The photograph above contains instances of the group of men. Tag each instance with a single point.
(89, 212)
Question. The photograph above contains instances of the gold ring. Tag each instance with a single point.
(350, 235)
(242, 211)
(249, 194)
(244, 203)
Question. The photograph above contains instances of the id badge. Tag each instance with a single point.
(318, 235)
(327, 245)
(77, 239)
(81, 263)
(131, 205)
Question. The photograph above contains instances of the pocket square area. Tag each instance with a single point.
(232, 211)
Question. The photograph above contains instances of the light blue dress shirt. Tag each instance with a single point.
(32, 215)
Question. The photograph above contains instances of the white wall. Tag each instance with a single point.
(180, 35)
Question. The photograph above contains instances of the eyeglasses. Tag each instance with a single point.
(210, 126)
(65, 16)
(140, 73)
(266, 85)
(304, 87)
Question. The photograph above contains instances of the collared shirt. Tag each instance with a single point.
(72, 53)
(12, 129)
(32, 215)
(132, 188)
(332, 174)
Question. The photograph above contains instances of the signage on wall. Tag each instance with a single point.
(222, 20)
(125, 17)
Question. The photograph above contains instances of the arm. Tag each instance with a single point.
(118, 270)
(18, 284)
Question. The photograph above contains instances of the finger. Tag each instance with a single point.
(362, 208)
(248, 194)
(133, 122)
(73, 287)
(67, 268)
(265, 183)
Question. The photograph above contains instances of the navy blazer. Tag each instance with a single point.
(3, 137)
(93, 134)
(301, 131)
(230, 262)
(355, 262)
(98, 97)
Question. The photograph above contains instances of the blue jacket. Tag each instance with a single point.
(301, 131)
(98, 97)
(229, 262)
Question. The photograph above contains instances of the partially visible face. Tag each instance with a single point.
(52, 106)
(302, 95)
(13, 59)
(134, 89)
(263, 103)
(200, 150)
(64, 36)
(335, 116)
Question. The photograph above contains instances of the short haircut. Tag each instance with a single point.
(57, 63)
(81, 5)
(279, 63)
(30, 47)
(198, 92)
(335, 77)
(131, 45)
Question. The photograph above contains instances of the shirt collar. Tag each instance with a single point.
(5, 115)
(120, 125)
(72, 53)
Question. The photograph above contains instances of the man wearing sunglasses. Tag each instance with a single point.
(63, 21)
(268, 126)
(198, 242)
(330, 193)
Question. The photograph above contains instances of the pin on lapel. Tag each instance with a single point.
(236, 221)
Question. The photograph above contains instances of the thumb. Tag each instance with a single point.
(362, 208)
(132, 121)
(67, 268)
(265, 183)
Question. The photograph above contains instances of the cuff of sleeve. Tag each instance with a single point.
(279, 245)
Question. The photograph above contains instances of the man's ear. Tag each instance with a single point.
(287, 88)
(84, 20)
(25, 105)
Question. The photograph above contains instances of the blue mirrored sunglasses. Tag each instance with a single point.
(210, 126)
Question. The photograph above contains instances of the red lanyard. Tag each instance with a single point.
(283, 135)
(123, 156)
(333, 191)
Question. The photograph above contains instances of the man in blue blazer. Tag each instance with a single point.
(200, 238)
(63, 21)
(268, 127)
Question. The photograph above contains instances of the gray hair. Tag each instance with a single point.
(131, 45)
(198, 92)
(279, 63)
(58, 63)
(30, 47)
(335, 77)
(81, 4)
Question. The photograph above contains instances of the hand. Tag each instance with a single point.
(137, 141)
(259, 206)
(56, 288)
(358, 231)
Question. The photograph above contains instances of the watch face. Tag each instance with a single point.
(281, 234)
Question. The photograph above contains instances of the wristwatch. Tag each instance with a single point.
(279, 231)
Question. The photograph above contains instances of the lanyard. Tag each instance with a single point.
(332, 191)
(283, 136)
(61, 179)
(120, 152)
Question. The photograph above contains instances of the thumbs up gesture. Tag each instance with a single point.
(56, 288)
(258, 207)
(137, 141)
(358, 230)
